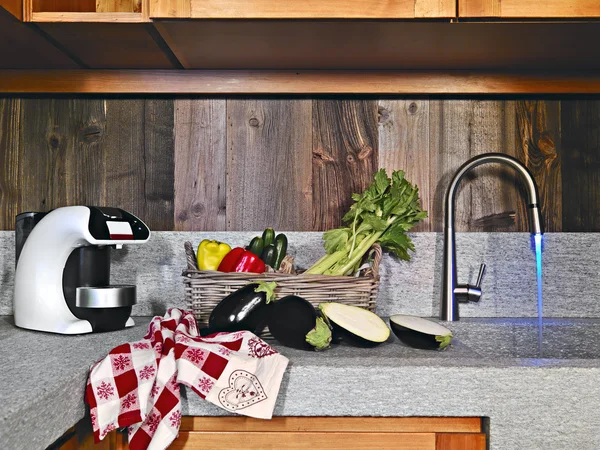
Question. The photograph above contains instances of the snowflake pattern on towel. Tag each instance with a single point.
(195, 355)
(128, 401)
(183, 339)
(105, 390)
(155, 390)
(152, 422)
(141, 346)
(175, 419)
(225, 351)
(147, 372)
(121, 362)
(205, 384)
(110, 427)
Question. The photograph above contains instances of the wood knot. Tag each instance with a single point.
(54, 141)
(320, 157)
(182, 216)
(350, 158)
(198, 209)
(364, 153)
(413, 108)
(91, 134)
(254, 122)
(383, 114)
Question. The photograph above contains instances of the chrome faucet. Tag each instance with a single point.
(452, 292)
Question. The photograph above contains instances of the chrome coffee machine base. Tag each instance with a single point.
(62, 282)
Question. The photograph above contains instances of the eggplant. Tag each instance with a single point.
(355, 325)
(294, 322)
(245, 309)
(420, 333)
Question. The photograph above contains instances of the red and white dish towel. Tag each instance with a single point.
(137, 384)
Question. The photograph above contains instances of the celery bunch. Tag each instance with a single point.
(382, 214)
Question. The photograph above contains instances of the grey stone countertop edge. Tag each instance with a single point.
(531, 403)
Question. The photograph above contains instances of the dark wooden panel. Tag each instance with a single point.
(91, 152)
(21, 47)
(345, 142)
(381, 44)
(580, 126)
(200, 164)
(139, 159)
(159, 160)
(60, 163)
(459, 130)
(404, 144)
(110, 45)
(269, 164)
(10, 117)
(539, 148)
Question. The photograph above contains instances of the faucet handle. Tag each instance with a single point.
(480, 276)
(468, 293)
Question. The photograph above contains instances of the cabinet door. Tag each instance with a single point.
(302, 9)
(529, 9)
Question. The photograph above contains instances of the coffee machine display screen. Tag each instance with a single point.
(119, 230)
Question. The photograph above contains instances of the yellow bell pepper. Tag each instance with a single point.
(210, 254)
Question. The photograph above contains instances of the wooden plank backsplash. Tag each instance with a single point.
(292, 163)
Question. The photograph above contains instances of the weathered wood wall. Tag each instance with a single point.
(244, 164)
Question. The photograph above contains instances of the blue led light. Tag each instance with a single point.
(538, 242)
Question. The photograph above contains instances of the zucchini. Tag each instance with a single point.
(268, 237)
(256, 246)
(268, 255)
(281, 244)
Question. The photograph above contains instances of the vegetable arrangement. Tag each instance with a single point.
(382, 214)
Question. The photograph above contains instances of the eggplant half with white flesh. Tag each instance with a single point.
(294, 322)
(420, 333)
(245, 309)
(355, 325)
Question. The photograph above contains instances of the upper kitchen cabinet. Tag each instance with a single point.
(302, 9)
(305, 46)
(101, 34)
(529, 9)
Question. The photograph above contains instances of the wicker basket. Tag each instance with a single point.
(204, 289)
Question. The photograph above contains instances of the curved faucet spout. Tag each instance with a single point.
(452, 292)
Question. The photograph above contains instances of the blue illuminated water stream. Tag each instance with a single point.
(538, 247)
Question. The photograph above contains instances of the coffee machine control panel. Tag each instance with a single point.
(106, 224)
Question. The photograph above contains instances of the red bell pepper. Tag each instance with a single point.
(241, 260)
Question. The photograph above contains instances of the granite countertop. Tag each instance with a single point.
(492, 370)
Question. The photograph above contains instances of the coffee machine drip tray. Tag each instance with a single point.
(105, 296)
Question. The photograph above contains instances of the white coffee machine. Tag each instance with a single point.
(62, 281)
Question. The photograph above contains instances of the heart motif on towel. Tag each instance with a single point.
(244, 390)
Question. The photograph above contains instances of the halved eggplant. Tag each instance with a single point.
(245, 309)
(294, 322)
(355, 325)
(420, 333)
